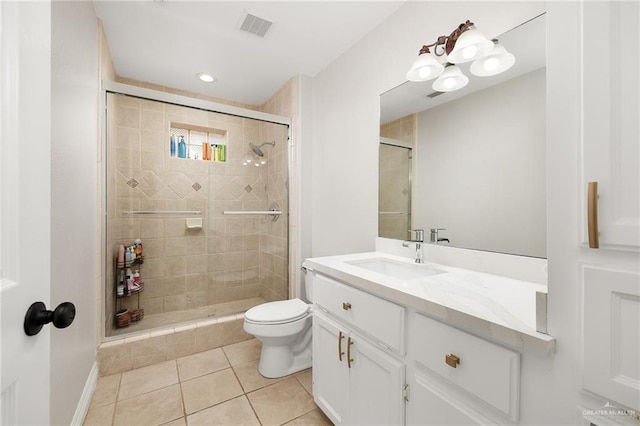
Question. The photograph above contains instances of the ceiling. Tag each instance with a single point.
(169, 42)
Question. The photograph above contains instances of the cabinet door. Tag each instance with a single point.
(612, 333)
(611, 131)
(429, 405)
(330, 372)
(375, 385)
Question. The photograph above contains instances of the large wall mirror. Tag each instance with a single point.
(478, 166)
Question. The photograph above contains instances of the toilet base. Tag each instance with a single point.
(278, 361)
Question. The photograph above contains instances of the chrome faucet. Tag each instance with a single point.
(434, 236)
(418, 242)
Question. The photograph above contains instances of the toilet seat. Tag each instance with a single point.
(279, 312)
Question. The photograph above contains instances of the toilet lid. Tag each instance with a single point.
(280, 311)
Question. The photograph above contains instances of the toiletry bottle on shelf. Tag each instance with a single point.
(121, 256)
(120, 289)
(223, 153)
(173, 145)
(138, 247)
(182, 148)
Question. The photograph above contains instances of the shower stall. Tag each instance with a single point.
(201, 197)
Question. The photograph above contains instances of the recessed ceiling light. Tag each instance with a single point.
(207, 78)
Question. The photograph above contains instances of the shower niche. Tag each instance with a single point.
(235, 256)
(197, 143)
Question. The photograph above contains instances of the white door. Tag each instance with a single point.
(25, 75)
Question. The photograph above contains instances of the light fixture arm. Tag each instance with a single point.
(446, 43)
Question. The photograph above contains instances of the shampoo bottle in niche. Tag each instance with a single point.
(182, 148)
(173, 146)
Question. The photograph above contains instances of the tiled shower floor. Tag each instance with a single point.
(217, 387)
(177, 317)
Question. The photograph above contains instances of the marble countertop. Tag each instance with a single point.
(498, 308)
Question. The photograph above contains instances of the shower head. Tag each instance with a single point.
(258, 149)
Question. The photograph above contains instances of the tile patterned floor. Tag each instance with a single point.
(218, 387)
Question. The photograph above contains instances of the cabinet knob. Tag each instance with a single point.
(346, 306)
(452, 360)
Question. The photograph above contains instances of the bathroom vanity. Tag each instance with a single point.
(396, 342)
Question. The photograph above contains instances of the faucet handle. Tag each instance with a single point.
(419, 234)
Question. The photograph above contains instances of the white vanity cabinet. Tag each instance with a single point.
(381, 361)
(356, 379)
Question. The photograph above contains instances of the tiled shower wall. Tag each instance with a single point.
(231, 257)
(393, 186)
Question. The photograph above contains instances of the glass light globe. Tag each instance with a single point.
(451, 79)
(424, 68)
(471, 44)
(499, 60)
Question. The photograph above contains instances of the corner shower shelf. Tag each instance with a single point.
(124, 317)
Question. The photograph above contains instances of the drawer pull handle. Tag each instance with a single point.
(346, 306)
(452, 360)
(340, 353)
(349, 359)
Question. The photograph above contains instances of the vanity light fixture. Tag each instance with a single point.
(464, 44)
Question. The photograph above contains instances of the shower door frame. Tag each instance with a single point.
(406, 145)
(185, 101)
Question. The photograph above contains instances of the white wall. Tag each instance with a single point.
(74, 183)
(346, 109)
(482, 168)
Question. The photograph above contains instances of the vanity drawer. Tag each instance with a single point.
(487, 371)
(377, 317)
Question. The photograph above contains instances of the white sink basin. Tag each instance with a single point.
(395, 269)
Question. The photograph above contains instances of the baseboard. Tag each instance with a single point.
(85, 399)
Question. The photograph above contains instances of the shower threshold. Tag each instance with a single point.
(167, 319)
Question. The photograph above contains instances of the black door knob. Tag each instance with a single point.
(38, 315)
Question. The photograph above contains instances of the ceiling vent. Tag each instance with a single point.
(434, 94)
(255, 25)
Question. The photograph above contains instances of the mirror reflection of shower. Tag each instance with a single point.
(257, 149)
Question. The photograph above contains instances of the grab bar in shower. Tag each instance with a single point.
(391, 213)
(274, 212)
(152, 212)
(253, 212)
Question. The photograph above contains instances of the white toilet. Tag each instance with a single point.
(284, 328)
